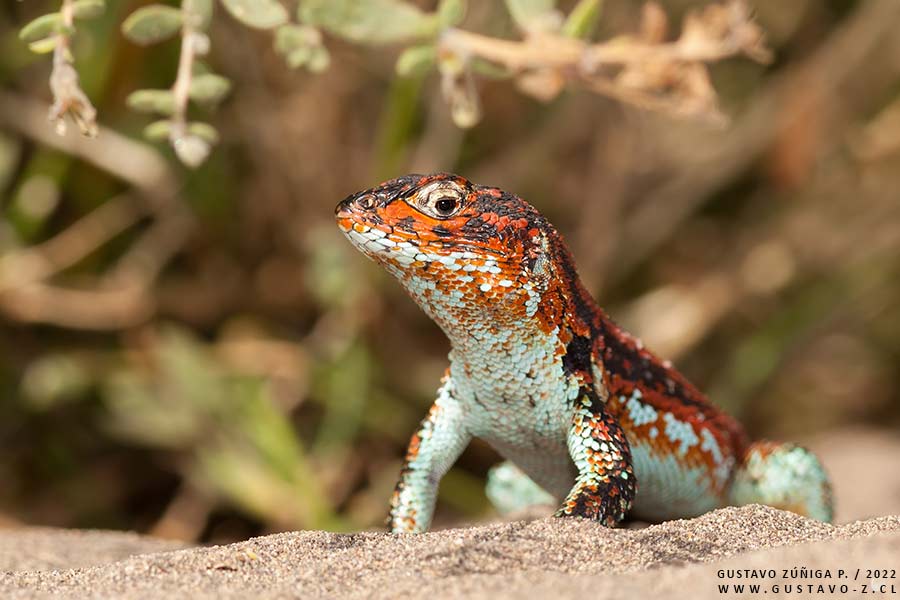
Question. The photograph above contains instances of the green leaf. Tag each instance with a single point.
(289, 38)
(41, 27)
(151, 24)
(302, 45)
(583, 19)
(373, 22)
(152, 101)
(192, 150)
(200, 68)
(88, 9)
(465, 109)
(319, 60)
(293, 37)
(200, 42)
(43, 46)
(260, 14)
(299, 57)
(209, 88)
(489, 69)
(416, 60)
(451, 12)
(458, 88)
(199, 12)
(530, 14)
(158, 130)
(54, 379)
(204, 131)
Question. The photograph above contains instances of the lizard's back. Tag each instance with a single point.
(684, 448)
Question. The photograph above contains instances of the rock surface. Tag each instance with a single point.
(542, 558)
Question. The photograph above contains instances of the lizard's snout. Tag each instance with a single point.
(353, 212)
(353, 207)
(344, 209)
(355, 204)
(343, 214)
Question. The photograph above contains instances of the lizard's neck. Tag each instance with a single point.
(502, 304)
(478, 318)
(501, 310)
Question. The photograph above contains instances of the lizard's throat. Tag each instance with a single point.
(478, 311)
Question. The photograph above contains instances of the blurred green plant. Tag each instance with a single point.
(555, 50)
(238, 444)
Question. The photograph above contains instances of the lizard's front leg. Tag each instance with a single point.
(605, 485)
(434, 447)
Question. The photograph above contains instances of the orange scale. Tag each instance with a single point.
(413, 449)
(765, 448)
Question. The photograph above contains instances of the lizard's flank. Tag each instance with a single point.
(584, 414)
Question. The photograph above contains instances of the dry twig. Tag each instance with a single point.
(706, 170)
(190, 149)
(640, 70)
(68, 97)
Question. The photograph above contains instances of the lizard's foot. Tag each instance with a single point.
(605, 487)
(604, 501)
(510, 490)
(785, 476)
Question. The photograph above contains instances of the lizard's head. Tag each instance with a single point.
(439, 218)
(453, 244)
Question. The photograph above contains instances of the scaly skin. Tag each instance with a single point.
(543, 375)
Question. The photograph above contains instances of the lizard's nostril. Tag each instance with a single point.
(343, 208)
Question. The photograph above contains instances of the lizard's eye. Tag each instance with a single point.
(445, 206)
(440, 200)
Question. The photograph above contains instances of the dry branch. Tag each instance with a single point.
(68, 97)
(640, 70)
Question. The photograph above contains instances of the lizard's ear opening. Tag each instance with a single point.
(538, 259)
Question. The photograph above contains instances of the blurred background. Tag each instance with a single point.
(200, 354)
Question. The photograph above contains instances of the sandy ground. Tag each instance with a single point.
(542, 558)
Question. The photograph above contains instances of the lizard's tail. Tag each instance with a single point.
(785, 476)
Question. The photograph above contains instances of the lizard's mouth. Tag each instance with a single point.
(346, 222)
(357, 213)
(368, 238)
(350, 218)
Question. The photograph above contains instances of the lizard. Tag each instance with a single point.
(580, 409)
